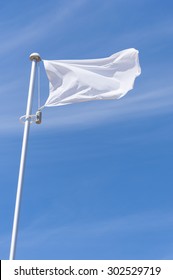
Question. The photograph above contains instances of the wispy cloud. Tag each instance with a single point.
(150, 103)
(135, 106)
(125, 226)
(38, 27)
(141, 223)
(148, 35)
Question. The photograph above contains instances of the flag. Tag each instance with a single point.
(72, 81)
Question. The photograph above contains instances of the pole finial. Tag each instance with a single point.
(35, 56)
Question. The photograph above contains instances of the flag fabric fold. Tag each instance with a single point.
(73, 81)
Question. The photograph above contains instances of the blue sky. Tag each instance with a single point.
(98, 180)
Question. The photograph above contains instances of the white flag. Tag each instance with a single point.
(72, 81)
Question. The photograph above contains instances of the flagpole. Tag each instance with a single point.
(34, 57)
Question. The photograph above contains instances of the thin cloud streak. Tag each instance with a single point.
(78, 116)
(147, 35)
(39, 27)
(130, 224)
(145, 105)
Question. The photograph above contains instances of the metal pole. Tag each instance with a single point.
(35, 57)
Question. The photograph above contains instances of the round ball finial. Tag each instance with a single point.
(35, 56)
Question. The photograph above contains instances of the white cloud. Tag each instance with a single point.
(38, 27)
(136, 105)
(133, 107)
(141, 223)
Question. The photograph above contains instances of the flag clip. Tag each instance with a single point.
(38, 117)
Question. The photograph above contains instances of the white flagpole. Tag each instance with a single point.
(34, 57)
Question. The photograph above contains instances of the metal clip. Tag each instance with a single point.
(38, 117)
